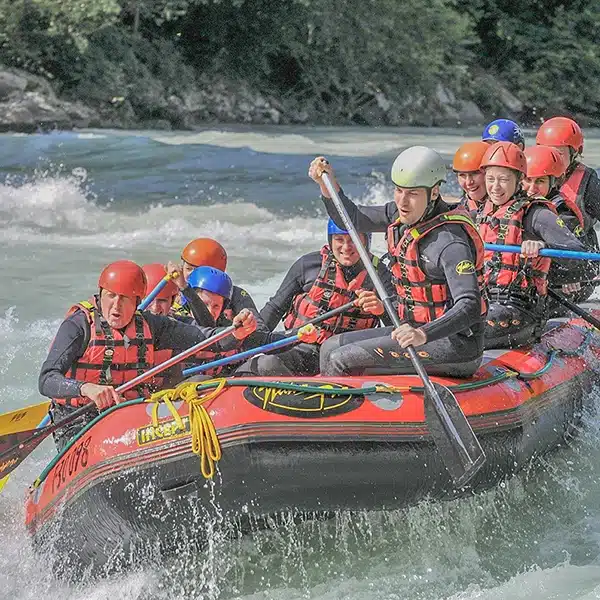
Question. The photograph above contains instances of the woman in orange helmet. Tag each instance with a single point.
(517, 284)
(545, 171)
(580, 190)
(471, 178)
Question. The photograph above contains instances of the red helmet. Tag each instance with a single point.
(204, 252)
(544, 160)
(560, 131)
(468, 157)
(505, 154)
(125, 278)
(155, 272)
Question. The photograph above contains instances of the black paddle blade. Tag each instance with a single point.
(16, 447)
(460, 449)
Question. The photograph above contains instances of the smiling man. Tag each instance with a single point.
(437, 268)
(105, 342)
(316, 283)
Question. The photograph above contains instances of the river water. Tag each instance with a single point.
(72, 202)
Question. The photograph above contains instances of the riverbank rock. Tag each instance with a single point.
(28, 104)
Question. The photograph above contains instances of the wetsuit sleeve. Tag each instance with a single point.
(67, 348)
(545, 225)
(365, 218)
(198, 309)
(242, 299)
(465, 311)
(591, 198)
(169, 333)
(293, 284)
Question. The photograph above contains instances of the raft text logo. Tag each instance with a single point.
(319, 400)
(163, 431)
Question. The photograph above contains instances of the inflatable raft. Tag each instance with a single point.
(137, 482)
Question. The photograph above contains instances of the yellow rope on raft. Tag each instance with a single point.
(205, 442)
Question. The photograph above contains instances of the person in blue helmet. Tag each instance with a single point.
(215, 289)
(503, 130)
(316, 283)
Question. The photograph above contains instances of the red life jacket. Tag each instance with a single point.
(507, 271)
(421, 300)
(331, 290)
(472, 207)
(573, 194)
(113, 357)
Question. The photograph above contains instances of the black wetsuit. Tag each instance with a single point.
(302, 359)
(454, 341)
(70, 344)
(514, 319)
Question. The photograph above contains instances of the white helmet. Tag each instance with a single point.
(418, 167)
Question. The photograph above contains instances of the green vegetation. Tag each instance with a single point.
(333, 60)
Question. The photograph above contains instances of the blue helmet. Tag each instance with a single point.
(503, 130)
(333, 229)
(211, 280)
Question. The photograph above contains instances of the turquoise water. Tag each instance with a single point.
(71, 202)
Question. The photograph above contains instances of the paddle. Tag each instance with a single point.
(41, 424)
(267, 347)
(147, 301)
(459, 448)
(23, 443)
(23, 418)
(549, 252)
(574, 308)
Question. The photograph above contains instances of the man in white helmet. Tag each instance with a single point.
(437, 268)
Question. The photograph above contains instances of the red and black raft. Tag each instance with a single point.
(130, 487)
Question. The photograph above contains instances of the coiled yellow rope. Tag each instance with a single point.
(205, 442)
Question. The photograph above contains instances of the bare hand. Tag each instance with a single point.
(316, 169)
(103, 396)
(406, 335)
(176, 275)
(308, 334)
(531, 248)
(369, 303)
(571, 288)
(245, 323)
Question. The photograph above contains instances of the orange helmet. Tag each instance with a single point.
(560, 131)
(204, 252)
(125, 278)
(544, 160)
(155, 272)
(505, 154)
(468, 157)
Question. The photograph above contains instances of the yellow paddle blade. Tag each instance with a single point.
(3, 482)
(23, 419)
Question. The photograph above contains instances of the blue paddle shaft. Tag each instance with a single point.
(237, 357)
(145, 303)
(549, 252)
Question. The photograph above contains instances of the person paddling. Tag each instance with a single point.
(580, 189)
(437, 269)
(105, 341)
(206, 252)
(517, 284)
(315, 284)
